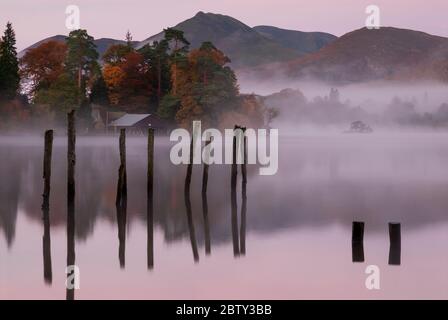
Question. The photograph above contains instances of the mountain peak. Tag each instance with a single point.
(200, 13)
(242, 44)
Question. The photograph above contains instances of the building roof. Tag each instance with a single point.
(128, 120)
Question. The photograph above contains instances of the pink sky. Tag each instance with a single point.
(37, 19)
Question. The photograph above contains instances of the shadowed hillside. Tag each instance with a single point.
(302, 42)
(387, 53)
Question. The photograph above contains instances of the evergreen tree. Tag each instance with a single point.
(9, 65)
(99, 93)
(158, 61)
(81, 58)
(129, 39)
(179, 49)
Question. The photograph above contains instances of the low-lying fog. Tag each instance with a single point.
(310, 106)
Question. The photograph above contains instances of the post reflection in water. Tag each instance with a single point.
(243, 196)
(204, 199)
(46, 244)
(122, 200)
(150, 202)
(46, 240)
(150, 235)
(71, 160)
(121, 223)
(70, 288)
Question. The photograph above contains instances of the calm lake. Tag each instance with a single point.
(297, 230)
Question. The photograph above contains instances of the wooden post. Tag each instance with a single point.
(46, 239)
(395, 244)
(150, 180)
(234, 217)
(205, 204)
(191, 230)
(243, 195)
(150, 199)
(190, 167)
(48, 150)
(122, 183)
(358, 241)
(71, 159)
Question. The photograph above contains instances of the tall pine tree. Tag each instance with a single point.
(81, 57)
(9, 65)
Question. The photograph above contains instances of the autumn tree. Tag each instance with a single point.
(116, 54)
(42, 66)
(9, 65)
(207, 87)
(126, 76)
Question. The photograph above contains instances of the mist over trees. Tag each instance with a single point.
(291, 107)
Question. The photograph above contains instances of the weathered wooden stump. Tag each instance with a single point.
(395, 244)
(48, 150)
(122, 178)
(358, 241)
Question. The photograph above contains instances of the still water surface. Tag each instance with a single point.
(298, 222)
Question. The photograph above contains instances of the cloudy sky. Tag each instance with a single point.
(34, 20)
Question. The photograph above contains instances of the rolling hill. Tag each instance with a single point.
(386, 53)
(302, 42)
(101, 44)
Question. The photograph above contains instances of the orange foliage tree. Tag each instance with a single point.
(126, 76)
(42, 65)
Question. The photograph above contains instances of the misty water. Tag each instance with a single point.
(298, 222)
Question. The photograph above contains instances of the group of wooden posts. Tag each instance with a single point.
(238, 236)
(394, 238)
